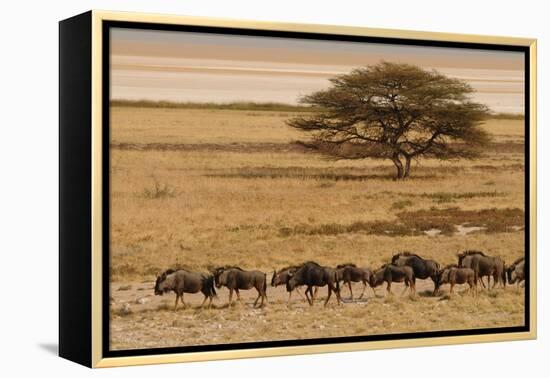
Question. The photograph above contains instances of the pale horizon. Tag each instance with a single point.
(199, 67)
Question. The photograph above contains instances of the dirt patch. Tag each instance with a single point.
(421, 222)
(140, 319)
(493, 220)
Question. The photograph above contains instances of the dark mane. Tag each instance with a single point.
(518, 261)
(406, 254)
(310, 262)
(163, 275)
(167, 272)
(473, 252)
(345, 265)
(296, 267)
(227, 267)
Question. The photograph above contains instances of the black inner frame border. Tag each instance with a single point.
(107, 25)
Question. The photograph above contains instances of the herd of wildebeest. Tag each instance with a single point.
(405, 267)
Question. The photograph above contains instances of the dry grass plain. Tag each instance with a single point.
(198, 188)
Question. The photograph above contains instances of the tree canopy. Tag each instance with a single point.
(394, 111)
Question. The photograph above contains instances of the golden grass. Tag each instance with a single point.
(229, 207)
(211, 125)
(172, 125)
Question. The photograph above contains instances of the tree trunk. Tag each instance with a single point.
(407, 166)
(399, 166)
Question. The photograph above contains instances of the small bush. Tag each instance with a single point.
(158, 191)
(124, 310)
(399, 205)
(444, 197)
(165, 306)
(326, 184)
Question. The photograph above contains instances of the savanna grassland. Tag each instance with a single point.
(198, 188)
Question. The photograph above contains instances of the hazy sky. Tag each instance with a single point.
(199, 67)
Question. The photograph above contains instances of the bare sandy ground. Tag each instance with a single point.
(139, 319)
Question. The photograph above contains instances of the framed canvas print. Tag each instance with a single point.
(235, 189)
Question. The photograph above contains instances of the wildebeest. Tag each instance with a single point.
(235, 279)
(349, 273)
(454, 275)
(422, 268)
(282, 276)
(484, 265)
(516, 272)
(312, 274)
(392, 273)
(184, 281)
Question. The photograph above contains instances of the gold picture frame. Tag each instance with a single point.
(86, 271)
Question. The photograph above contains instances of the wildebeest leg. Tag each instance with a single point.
(351, 291)
(337, 293)
(299, 293)
(388, 288)
(373, 291)
(230, 297)
(176, 304)
(314, 294)
(364, 288)
(407, 286)
(329, 293)
(412, 288)
(436, 288)
(204, 300)
(182, 302)
(480, 279)
(306, 294)
(258, 297)
(452, 286)
(238, 294)
(310, 291)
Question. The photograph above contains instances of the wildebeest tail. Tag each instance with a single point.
(209, 283)
(265, 283)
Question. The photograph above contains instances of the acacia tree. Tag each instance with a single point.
(394, 111)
